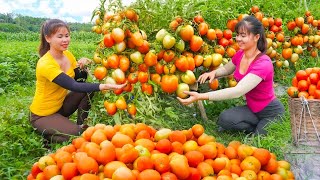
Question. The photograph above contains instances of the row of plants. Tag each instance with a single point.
(184, 49)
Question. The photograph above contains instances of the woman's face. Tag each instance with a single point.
(246, 40)
(60, 40)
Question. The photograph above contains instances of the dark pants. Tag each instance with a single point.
(58, 127)
(241, 118)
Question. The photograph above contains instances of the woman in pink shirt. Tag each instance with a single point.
(253, 70)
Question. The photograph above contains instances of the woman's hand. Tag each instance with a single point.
(83, 62)
(193, 96)
(112, 86)
(203, 77)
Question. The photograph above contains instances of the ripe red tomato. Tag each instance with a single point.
(156, 78)
(133, 77)
(143, 77)
(117, 34)
(203, 28)
(303, 85)
(198, 60)
(299, 21)
(254, 9)
(186, 32)
(287, 53)
(100, 72)
(147, 88)
(317, 94)
(314, 78)
(223, 42)
(227, 33)
(301, 75)
(143, 67)
(121, 103)
(124, 63)
(174, 25)
(291, 25)
(278, 22)
(113, 61)
(305, 29)
(132, 110)
(137, 38)
(169, 83)
(231, 24)
(159, 68)
(144, 48)
(35, 170)
(191, 63)
(211, 34)
(293, 91)
(219, 33)
(110, 107)
(168, 55)
(181, 63)
(198, 19)
(108, 40)
(195, 43)
(150, 59)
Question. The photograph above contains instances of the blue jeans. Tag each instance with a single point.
(241, 118)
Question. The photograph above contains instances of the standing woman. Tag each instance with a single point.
(253, 70)
(59, 87)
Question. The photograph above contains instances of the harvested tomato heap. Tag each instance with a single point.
(306, 83)
(139, 151)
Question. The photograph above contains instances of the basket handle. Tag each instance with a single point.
(305, 105)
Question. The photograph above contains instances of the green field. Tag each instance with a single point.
(20, 146)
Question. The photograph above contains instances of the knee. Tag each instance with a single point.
(224, 119)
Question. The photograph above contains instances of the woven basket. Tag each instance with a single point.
(305, 121)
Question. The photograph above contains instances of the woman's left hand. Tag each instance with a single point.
(82, 62)
(193, 96)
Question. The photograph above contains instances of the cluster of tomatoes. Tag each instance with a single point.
(306, 83)
(304, 34)
(140, 152)
(188, 45)
(124, 55)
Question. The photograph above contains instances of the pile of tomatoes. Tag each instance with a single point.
(306, 83)
(140, 152)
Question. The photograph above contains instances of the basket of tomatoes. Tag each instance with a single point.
(304, 107)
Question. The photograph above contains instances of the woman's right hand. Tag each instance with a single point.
(203, 77)
(112, 86)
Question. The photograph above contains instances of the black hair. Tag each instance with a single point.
(252, 25)
(48, 28)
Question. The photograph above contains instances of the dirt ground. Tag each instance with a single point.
(305, 162)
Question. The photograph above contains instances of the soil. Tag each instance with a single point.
(305, 162)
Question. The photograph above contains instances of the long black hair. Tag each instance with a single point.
(252, 25)
(48, 28)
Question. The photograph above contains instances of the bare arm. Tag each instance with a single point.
(249, 82)
(225, 70)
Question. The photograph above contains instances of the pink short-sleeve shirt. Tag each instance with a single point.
(260, 96)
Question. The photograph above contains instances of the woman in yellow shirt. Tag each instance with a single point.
(59, 90)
